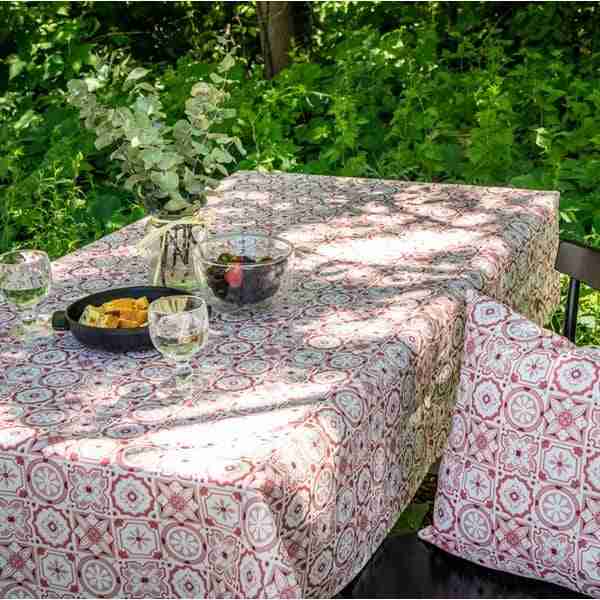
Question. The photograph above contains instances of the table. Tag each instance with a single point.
(312, 425)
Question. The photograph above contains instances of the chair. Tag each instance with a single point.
(407, 567)
(580, 263)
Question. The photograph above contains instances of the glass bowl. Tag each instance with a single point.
(244, 269)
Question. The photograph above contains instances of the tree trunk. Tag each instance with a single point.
(275, 22)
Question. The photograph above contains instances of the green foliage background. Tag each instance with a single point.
(486, 93)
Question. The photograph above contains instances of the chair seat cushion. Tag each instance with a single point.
(407, 567)
(519, 481)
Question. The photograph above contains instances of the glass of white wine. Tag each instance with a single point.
(179, 330)
(25, 280)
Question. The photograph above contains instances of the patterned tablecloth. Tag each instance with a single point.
(312, 425)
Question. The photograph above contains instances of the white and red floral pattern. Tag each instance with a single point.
(312, 424)
(540, 492)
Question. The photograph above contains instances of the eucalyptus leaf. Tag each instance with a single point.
(77, 88)
(122, 117)
(133, 180)
(176, 203)
(220, 155)
(201, 148)
(239, 147)
(227, 63)
(104, 140)
(169, 160)
(221, 169)
(182, 129)
(156, 159)
(151, 157)
(168, 181)
(215, 78)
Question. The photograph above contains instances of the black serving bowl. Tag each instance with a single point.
(112, 340)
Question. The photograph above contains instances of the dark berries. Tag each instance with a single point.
(233, 283)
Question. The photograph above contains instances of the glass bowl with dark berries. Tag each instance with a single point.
(244, 269)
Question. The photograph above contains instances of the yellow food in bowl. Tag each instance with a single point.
(122, 313)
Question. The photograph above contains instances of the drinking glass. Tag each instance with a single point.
(25, 279)
(179, 330)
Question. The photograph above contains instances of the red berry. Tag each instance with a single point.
(233, 276)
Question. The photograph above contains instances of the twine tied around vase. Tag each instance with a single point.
(168, 233)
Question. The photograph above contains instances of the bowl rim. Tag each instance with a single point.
(229, 236)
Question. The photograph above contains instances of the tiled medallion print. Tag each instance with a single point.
(533, 506)
(312, 424)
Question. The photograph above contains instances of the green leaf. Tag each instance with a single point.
(238, 144)
(151, 157)
(121, 117)
(103, 141)
(176, 203)
(411, 519)
(16, 66)
(192, 183)
(26, 119)
(4, 167)
(227, 63)
(77, 87)
(166, 181)
(133, 180)
(543, 138)
(81, 54)
(221, 169)
(221, 155)
(137, 73)
(182, 129)
(169, 160)
(216, 79)
(104, 206)
(588, 321)
(147, 105)
(146, 87)
(92, 83)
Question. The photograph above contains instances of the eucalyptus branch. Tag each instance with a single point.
(168, 167)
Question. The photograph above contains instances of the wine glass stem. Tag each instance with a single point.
(183, 375)
(28, 316)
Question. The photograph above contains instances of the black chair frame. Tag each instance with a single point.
(582, 264)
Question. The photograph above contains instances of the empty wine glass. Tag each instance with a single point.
(179, 330)
(25, 279)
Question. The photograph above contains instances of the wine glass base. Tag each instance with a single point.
(170, 391)
(32, 331)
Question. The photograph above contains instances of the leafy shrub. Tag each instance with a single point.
(488, 93)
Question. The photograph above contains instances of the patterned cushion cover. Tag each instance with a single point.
(519, 485)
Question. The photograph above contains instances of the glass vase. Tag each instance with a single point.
(170, 252)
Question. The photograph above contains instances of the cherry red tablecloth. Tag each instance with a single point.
(311, 425)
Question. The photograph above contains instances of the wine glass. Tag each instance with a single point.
(25, 279)
(179, 330)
